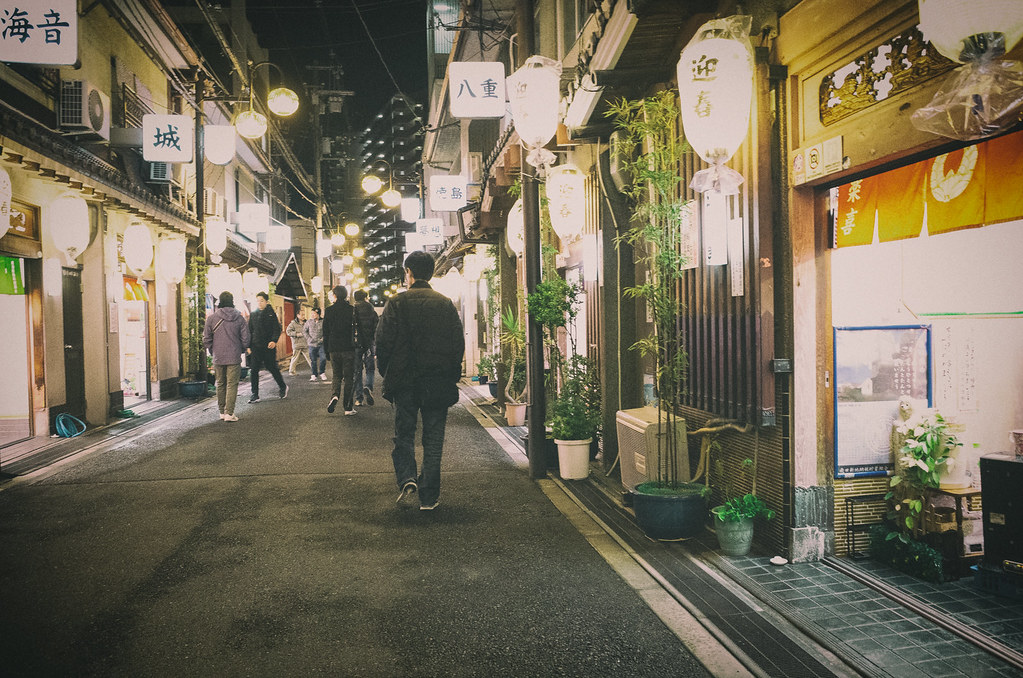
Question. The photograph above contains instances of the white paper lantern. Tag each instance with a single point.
(234, 284)
(516, 237)
(6, 195)
(566, 200)
(411, 209)
(69, 225)
(949, 24)
(172, 259)
(316, 284)
(216, 279)
(715, 76)
(534, 94)
(251, 283)
(337, 266)
(216, 236)
(347, 260)
(324, 248)
(137, 244)
(219, 143)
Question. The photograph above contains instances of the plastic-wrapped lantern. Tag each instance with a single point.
(964, 30)
(216, 236)
(515, 239)
(534, 92)
(71, 225)
(566, 200)
(715, 81)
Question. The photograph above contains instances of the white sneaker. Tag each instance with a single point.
(323, 377)
(230, 417)
(223, 416)
(312, 377)
(348, 413)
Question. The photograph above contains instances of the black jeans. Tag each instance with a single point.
(264, 358)
(343, 364)
(406, 415)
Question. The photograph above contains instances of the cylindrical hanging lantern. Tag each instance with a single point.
(715, 80)
(69, 225)
(171, 259)
(234, 284)
(964, 30)
(251, 283)
(216, 279)
(282, 101)
(534, 94)
(137, 244)
(566, 200)
(6, 195)
(324, 248)
(316, 284)
(219, 143)
(216, 236)
(516, 237)
(337, 266)
(250, 124)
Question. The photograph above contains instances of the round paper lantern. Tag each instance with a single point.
(218, 143)
(137, 244)
(347, 260)
(6, 195)
(358, 252)
(316, 284)
(69, 225)
(951, 26)
(534, 93)
(566, 200)
(282, 101)
(216, 236)
(515, 242)
(715, 76)
(172, 259)
(250, 124)
(337, 266)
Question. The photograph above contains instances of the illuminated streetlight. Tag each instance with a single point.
(358, 252)
(352, 228)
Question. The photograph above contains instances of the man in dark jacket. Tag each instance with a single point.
(339, 328)
(364, 356)
(264, 330)
(419, 344)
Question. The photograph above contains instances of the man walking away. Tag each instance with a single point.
(226, 336)
(298, 343)
(265, 330)
(339, 327)
(313, 330)
(364, 358)
(419, 345)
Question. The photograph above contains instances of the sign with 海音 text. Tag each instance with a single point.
(476, 89)
(39, 32)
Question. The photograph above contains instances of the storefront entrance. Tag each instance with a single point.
(134, 332)
(15, 397)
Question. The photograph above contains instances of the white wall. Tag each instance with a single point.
(968, 286)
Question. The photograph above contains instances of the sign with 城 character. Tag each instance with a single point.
(39, 32)
(476, 89)
(447, 193)
(168, 138)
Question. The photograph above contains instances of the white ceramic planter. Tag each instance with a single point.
(574, 458)
(515, 413)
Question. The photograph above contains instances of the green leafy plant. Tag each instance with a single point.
(575, 413)
(554, 305)
(650, 151)
(485, 366)
(928, 441)
(746, 506)
(912, 557)
(193, 357)
(513, 338)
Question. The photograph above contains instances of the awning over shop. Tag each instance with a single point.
(966, 188)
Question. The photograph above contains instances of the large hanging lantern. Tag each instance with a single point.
(715, 81)
(251, 283)
(566, 201)
(218, 142)
(534, 94)
(137, 244)
(171, 259)
(69, 225)
(216, 279)
(964, 30)
(324, 248)
(216, 236)
(250, 124)
(282, 101)
(515, 240)
(6, 195)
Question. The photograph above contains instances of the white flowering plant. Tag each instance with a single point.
(928, 440)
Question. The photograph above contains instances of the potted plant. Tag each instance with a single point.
(193, 359)
(650, 151)
(484, 368)
(574, 417)
(733, 520)
(513, 338)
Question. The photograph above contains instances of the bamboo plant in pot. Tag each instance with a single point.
(650, 149)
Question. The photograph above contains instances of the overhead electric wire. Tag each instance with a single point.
(404, 97)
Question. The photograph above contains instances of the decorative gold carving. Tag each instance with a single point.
(895, 66)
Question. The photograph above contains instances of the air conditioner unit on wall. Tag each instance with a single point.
(84, 109)
(638, 445)
(161, 173)
(213, 204)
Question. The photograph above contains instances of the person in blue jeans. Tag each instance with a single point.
(419, 343)
(365, 353)
(313, 331)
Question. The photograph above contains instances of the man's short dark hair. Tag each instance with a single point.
(421, 265)
(226, 300)
(265, 296)
(360, 295)
(340, 292)
(316, 310)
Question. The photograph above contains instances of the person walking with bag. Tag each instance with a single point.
(296, 330)
(264, 330)
(226, 336)
(339, 327)
(364, 356)
(419, 346)
(313, 330)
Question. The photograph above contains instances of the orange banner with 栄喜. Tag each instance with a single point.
(854, 215)
(1003, 200)
(955, 189)
(900, 202)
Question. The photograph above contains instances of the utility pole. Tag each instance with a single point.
(200, 215)
(536, 411)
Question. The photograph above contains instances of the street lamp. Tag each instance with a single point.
(371, 184)
(281, 102)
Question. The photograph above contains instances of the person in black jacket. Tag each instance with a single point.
(364, 356)
(264, 331)
(419, 344)
(339, 327)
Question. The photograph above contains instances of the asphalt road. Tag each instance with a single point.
(273, 547)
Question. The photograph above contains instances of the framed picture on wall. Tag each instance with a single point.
(876, 367)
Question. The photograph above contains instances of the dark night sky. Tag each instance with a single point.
(303, 32)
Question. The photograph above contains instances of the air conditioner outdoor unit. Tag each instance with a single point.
(161, 172)
(84, 109)
(213, 205)
(638, 445)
